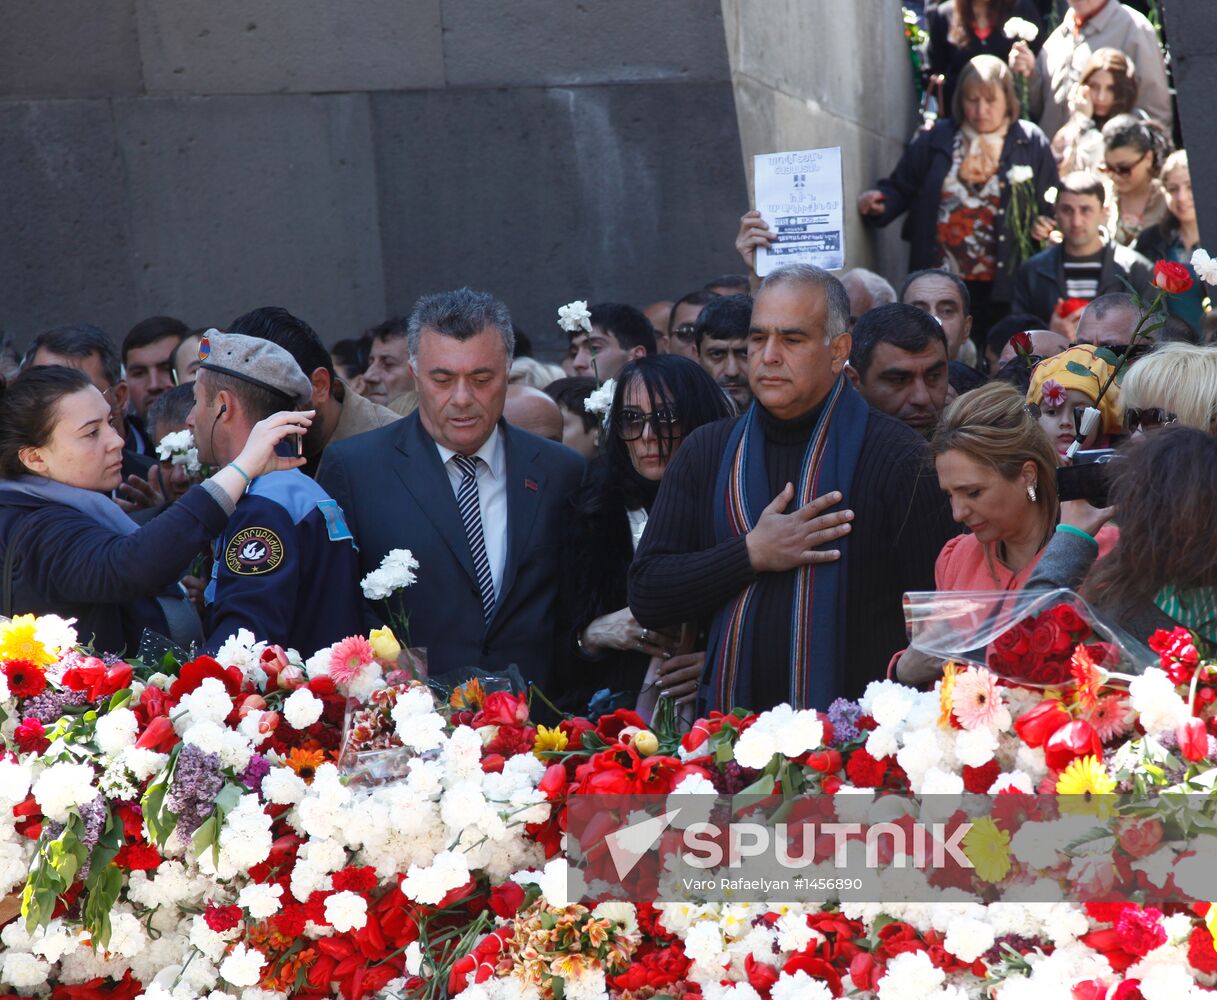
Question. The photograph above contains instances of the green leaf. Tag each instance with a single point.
(102, 889)
(207, 835)
(160, 820)
(1107, 355)
(120, 699)
(1080, 370)
(764, 785)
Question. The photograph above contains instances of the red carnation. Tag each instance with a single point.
(355, 879)
(140, 857)
(31, 736)
(222, 918)
(25, 679)
(1200, 952)
(864, 771)
(1140, 931)
(978, 780)
(290, 920)
(1171, 277)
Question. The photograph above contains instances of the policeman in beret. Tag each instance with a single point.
(286, 567)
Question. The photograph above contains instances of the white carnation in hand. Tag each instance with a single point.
(1020, 29)
(1204, 266)
(574, 316)
(302, 708)
(1019, 174)
(178, 448)
(395, 572)
(601, 401)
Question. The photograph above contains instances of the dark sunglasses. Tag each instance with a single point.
(1123, 169)
(685, 333)
(1146, 419)
(631, 423)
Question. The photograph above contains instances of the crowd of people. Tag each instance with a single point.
(719, 499)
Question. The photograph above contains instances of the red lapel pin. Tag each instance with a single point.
(531, 485)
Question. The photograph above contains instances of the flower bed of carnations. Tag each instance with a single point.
(201, 830)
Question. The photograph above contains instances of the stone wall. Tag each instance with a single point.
(339, 159)
(811, 73)
(1191, 27)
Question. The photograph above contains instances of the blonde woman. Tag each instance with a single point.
(1175, 384)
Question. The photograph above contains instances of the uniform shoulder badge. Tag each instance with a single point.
(253, 551)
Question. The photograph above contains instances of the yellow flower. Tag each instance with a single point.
(1210, 921)
(988, 848)
(17, 642)
(945, 690)
(1087, 778)
(549, 740)
(385, 646)
(645, 742)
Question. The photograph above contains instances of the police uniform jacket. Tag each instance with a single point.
(286, 568)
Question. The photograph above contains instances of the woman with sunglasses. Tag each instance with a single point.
(1134, 149)
(1064, 387)
(659, 400)
(1177, 237)
(1174, 384)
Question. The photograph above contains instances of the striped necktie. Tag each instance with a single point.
(471, 515)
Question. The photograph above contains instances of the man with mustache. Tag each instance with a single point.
(722, 345)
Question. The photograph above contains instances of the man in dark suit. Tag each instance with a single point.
(476, 501)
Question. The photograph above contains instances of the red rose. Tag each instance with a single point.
(222, 918)
(1139, 837)
(512, 740)
(1035, 727)
(31, 736)
(502, 708)
(506, 899)
(25, 679)
(1172, 278)
(97, 679)
(978, 780)
(609, 727)
(1193, 739)
(864, 771)
(1068, 619)
(1201, 955)
(1021, 342)
(192, 674)
(1073, 740)
(1046, 637)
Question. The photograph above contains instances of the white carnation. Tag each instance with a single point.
(115, 731)
(283, 787)
(575, 316)
(346, 911)
(55, 633)
(600, 401)
(243, 966)
(910, 976)
(1158, 705)
(429, 884)
(23, 970)
(395, 572)
(302, 708)
(1020, 29)
(799, 986)
(62, 787)
(1204, 266)
(975, 747)
(967, 938)
(261, 900)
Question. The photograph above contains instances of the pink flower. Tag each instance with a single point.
(1110, 717)
(1054, 393)
(975, 700)
(349, 657)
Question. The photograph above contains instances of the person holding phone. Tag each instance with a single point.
(286, 567)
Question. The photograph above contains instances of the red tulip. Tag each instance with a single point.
(158, 735)
(1172, 278)
(1193, 739)
(1041, 722)
(1073, 740)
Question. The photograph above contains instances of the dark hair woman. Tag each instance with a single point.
(657, 403)
(962, 29)
(67, 548)
(1134, 150)
(1107, 88)
(957, 180)
(1162, 571)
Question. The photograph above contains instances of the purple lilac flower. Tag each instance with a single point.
(94, 815)
(257, 769)
(196, 783)
(49, 706)
(843, 714)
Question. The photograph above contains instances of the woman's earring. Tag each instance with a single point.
(1031, 494)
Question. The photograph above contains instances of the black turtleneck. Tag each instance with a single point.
(901, 521)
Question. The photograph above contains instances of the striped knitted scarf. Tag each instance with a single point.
(816, 653)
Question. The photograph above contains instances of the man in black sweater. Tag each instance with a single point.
(696, 564)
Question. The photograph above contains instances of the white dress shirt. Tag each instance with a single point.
(492, 498)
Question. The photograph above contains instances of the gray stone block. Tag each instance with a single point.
(69, 48)
(547, 195)
(555, 42)
(238, 202)
(64, 254)
(307, 46)
(1189, 25)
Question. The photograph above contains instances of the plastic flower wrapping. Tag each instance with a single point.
(208, 829)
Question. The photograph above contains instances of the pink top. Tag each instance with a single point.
(962, 564)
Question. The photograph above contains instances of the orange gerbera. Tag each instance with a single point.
(306, 762)
(469, 695)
